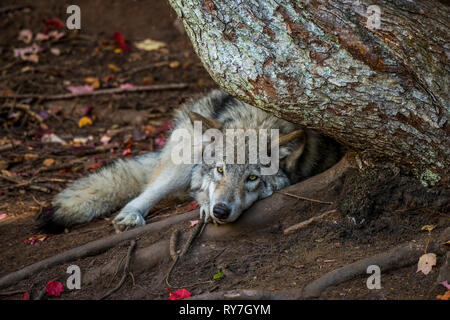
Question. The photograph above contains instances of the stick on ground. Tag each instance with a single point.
(42, 97)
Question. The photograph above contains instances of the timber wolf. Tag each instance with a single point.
(223, 190)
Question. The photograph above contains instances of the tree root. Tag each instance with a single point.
(93, 248)
(396, 258)
(126, 271)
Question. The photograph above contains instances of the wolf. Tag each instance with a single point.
(222, 189)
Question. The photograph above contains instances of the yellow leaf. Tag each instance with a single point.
(84, 121)
(426, 263)
(93, 82)
(114, 68)
(174, 64)
(118, 50)
(428, 227)
(48, 162)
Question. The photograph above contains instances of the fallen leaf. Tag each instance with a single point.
(93, 82)
(25, 35)
(26, 296)
(55, 51)
(52, 138)
(428, 227)
(54, 288)
(28, 53)
(218, 275)
(80, 89)
(191, 206)
(48, 162)
(56, 35)
(3, 216)
(426, 263)
(179, 294)
(126, 152)
(193, 223)
(37, 238)
(84, 121)
(41, 37)
(105, 139)
(445, 284)
(174, 64)
(149, 44)
(114, 68)
(445, 296)
(52, 23)
(120, 41)
(126, 86)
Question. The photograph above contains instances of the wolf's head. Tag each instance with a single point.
(224, 189)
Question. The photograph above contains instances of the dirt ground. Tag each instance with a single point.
(376, 215)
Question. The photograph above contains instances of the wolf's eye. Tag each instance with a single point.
(220, 170)
(252, 178)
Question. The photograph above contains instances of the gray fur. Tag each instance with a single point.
(147, 179)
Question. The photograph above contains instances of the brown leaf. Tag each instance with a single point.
(426, 263)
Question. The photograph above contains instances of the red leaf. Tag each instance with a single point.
(26, 296)
(179, 294)
(191, 206)
(120, 41)
(54, 288)
(56, 23)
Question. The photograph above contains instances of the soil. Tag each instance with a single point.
(380, 209)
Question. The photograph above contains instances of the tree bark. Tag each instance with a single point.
(381, 91)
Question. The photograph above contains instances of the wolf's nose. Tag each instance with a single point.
(221, 211)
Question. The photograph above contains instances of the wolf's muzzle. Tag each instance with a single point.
(221, 211)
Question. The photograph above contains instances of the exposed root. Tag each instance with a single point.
(126, 271)
(395, 258)
(93, 248)
(196, 232)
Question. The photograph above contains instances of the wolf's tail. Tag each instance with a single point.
(100, 193)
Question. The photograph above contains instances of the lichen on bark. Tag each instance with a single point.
(383, 92)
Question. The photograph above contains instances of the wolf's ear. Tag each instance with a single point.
(207, 123)
(291, 154)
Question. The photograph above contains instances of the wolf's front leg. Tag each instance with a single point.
(167, 178)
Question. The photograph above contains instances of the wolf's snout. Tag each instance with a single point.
(221, 211)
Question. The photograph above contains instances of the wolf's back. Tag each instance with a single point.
(100, 193)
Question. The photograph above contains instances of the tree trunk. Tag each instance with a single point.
(379, 89)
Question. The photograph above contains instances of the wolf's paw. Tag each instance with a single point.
(128, 219)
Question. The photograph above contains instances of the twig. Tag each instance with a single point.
(26, 108)
(126, 271)
(306, 223)
(303, 198)
(13, 8)
(155, 87)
